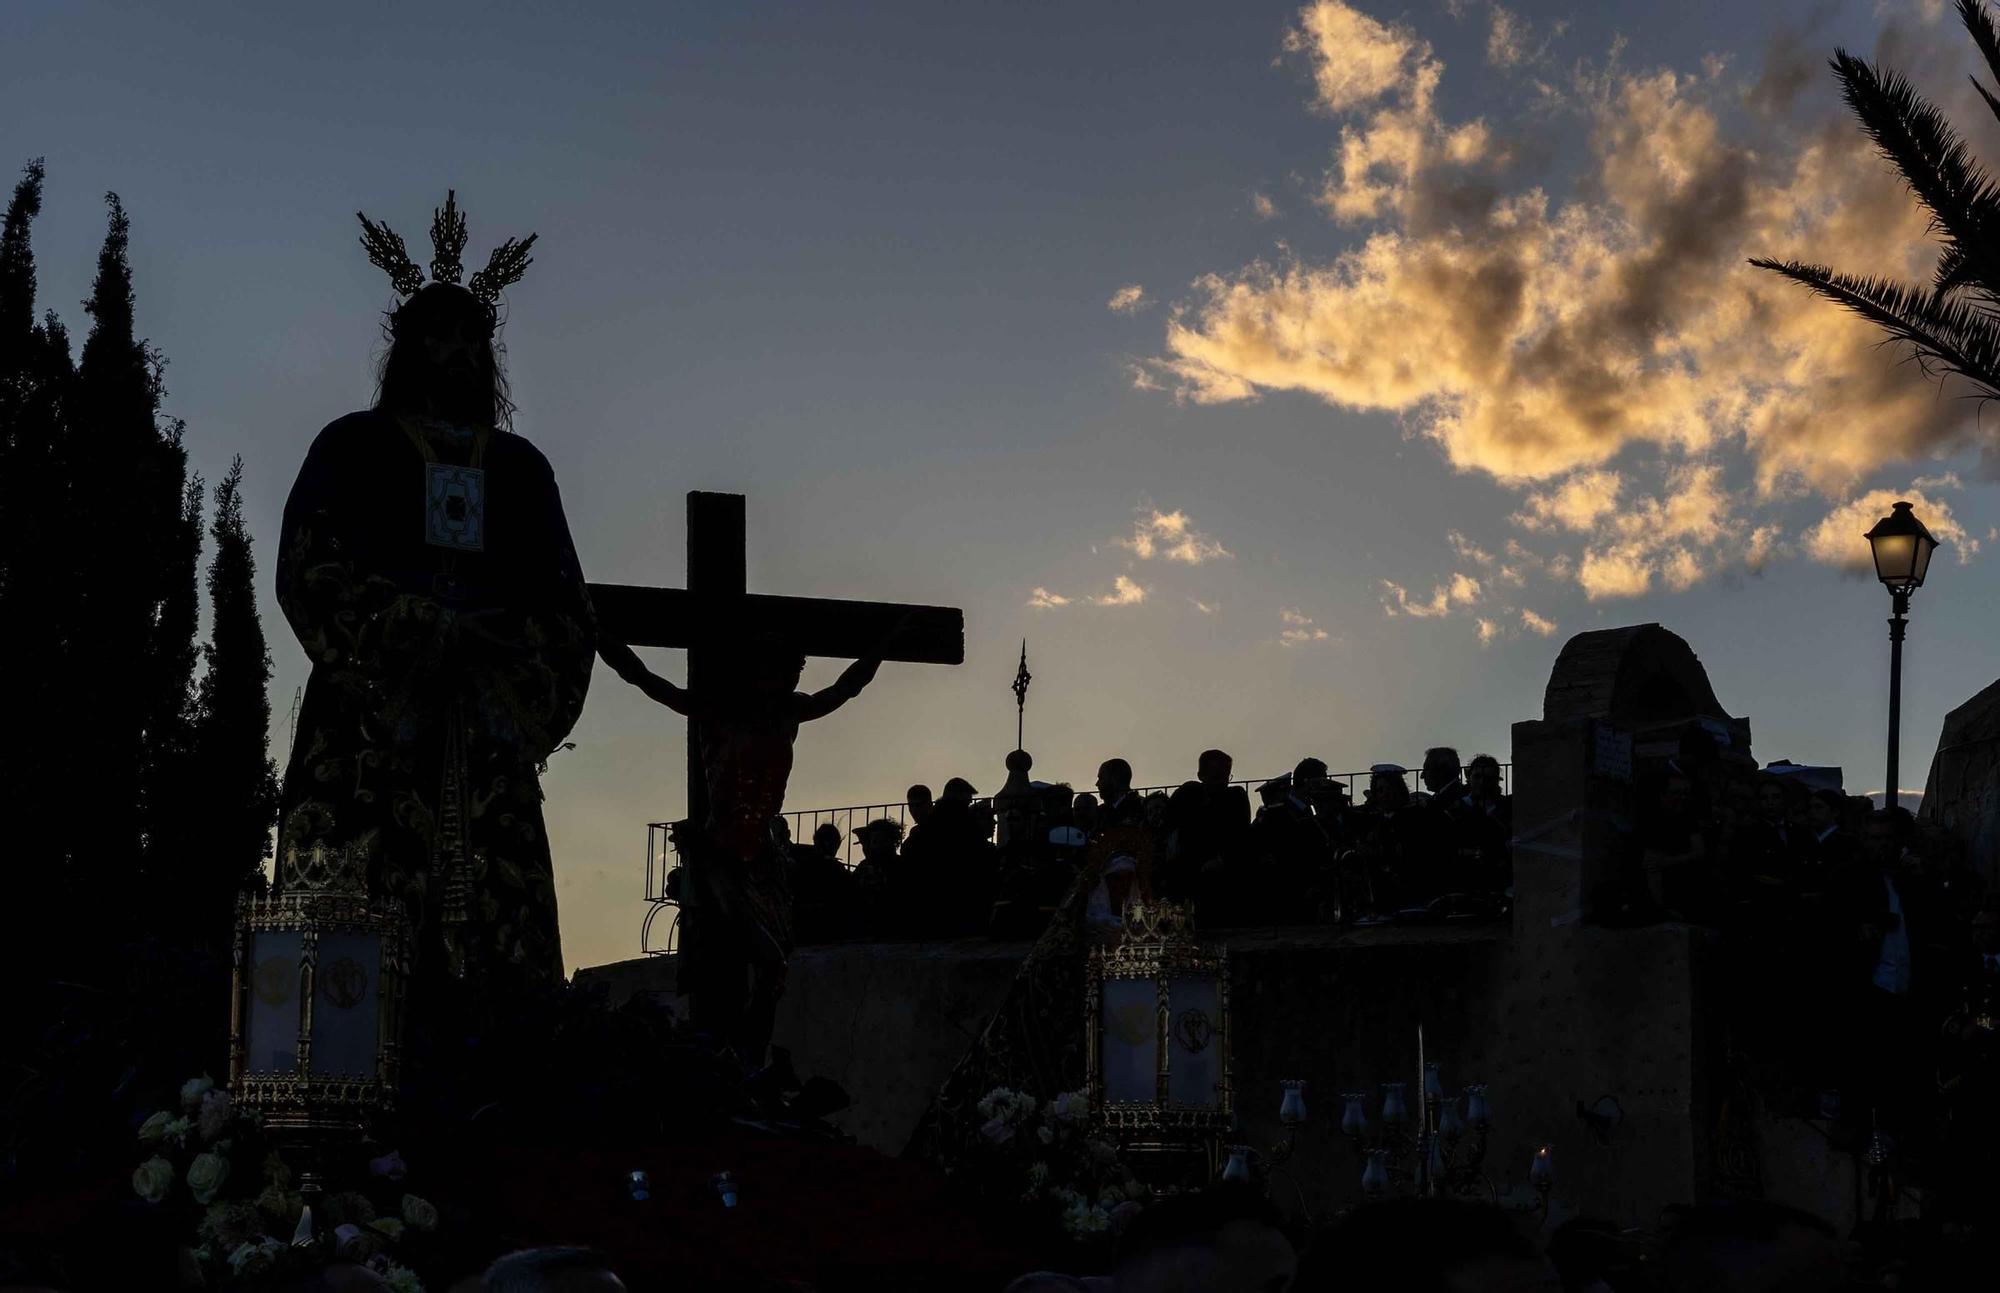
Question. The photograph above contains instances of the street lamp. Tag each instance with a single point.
(1902, 548)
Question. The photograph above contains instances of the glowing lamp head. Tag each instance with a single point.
(1902, 548)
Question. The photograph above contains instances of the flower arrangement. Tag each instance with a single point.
(210, 1160)
(1040, 1154)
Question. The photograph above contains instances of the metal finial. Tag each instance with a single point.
(1021, 680)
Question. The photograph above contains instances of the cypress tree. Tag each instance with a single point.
(239, 779)
(127, 483)
(35, 593)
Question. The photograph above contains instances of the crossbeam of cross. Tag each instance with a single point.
(716, 610)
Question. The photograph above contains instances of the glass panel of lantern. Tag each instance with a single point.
(1194, 1054)
(346, 1020)
(1130, 1049)
(271, 1023)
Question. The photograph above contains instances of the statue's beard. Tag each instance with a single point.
(459, 395)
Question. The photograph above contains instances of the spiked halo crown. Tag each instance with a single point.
(504, 267)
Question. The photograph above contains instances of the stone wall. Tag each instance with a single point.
(1548, 1022)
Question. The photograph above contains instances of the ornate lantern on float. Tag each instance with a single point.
(1157, 1024)
(316, 997)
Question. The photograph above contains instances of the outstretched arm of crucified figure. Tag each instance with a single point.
(633, 670)
(852, 679)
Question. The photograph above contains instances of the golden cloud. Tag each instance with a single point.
(1536, 336)
(1124, 592)
(1172, 536)
(1839, 537)
(1127, 299)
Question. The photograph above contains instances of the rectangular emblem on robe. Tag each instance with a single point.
(455, 507)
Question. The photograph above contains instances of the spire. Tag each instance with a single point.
(1015, 804)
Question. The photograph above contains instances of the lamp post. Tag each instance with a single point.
(1902, 549)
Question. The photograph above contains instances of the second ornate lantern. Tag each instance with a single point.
(1157, 1024)
(316, 998)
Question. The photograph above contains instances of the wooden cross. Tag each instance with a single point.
(716, 609)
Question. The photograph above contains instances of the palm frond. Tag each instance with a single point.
(1920, 141)
(1978, 20)
(1953, 271)
(1954, 333)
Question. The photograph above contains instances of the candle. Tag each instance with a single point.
(1542, 1172)
(1375, 1177)
(1478, 1112)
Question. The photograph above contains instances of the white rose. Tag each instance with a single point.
(205, 1176)
(352, 1243)
(214, 1116)
(255, 1257)
(419, 1214)
(177, 1130)
(154, 1129)
(153, 1179)
(193, 1090)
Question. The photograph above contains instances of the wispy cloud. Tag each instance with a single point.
(1262, 205)
(1536, 624)
(1127, 299)
(1172, 536)
(1297, 628)
(1044, 600)
(1460, 590)
(1125, 591)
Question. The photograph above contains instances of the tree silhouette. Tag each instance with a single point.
(1950, 324)
(233, 723)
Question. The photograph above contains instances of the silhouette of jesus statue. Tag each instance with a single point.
(736, 903)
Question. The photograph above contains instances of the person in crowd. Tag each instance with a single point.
(1450, 832)
(918, 797)
(1828, 845)
(1117, 804)
(881, 886)
(1289, 853)
(1083, 814)
(1490, 819)
(1326, 798)
(1762, 854)
(1441, 771)
(1227, 1238)
(1387, 839)
(1425, 1246)
(824, 888)
(553, 1270)
(1749, 1247)
(1208, 825)
(951, 866)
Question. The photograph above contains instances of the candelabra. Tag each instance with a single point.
(1437, 1152)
